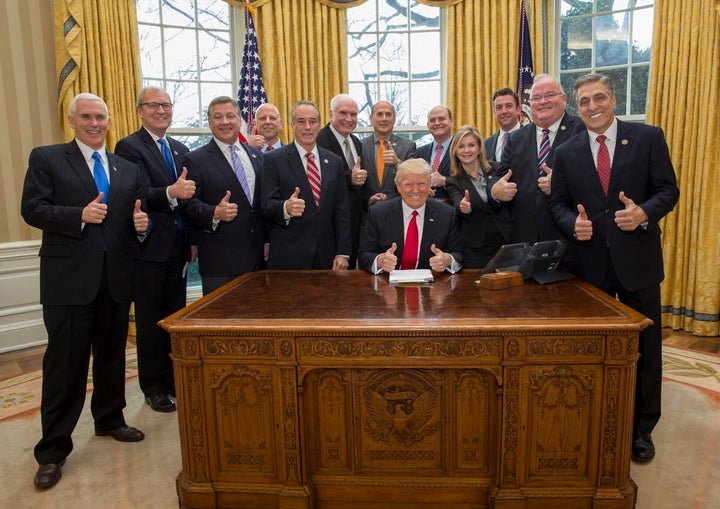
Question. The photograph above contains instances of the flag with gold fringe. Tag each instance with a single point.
(251, 92)
(525, 64)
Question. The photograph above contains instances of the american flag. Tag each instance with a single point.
(525, 64)
(251, 92)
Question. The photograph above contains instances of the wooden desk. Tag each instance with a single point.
(334, 390)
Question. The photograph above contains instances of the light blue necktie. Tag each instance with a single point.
(168, 158)
(101, 180)
(240, 172)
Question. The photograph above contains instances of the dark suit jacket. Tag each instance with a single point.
(474, 225)
(425, 152)
(314, 239)
(491, 145)
(530, 213)
(141, 149)
(234, 247)
(58, 185)
(404, 148)
(642, 169)
(385, 225)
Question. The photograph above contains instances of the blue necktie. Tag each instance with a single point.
(240, 172)
(168, 158)
(101, 180)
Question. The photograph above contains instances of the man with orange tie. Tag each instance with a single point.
(381, 153)
(440, 123)
(410, 231)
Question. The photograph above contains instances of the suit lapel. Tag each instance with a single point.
(154, 151)
(623, 143)
(297, 166)
(77, 162)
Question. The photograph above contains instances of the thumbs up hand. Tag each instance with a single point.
(440, 260)
(545, 181)
(226, 210)
(358, 176)
(182, 189)
(464, 205)
(140, 218)
(632, 216)
(95, 211)
(295, 206)
(583, 226)
(387, 261)
(504, 190)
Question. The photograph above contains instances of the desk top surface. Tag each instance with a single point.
(354, 299)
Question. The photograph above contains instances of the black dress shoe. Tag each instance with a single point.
(643, 449)
(124, 433)
(48, 475)
(161, 403)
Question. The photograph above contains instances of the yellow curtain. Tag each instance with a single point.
(684, 100)
(96, 50)
(482, 47)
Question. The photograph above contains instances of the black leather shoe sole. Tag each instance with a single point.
(122, 434)
(48, 475)
(161, 403)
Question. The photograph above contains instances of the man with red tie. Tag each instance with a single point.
(410, 231)
(613, 182)
(440, 123)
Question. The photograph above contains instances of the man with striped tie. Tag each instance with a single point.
(523, 179)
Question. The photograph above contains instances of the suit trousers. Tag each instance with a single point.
(74, 332)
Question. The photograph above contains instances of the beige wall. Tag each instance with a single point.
(27, 102)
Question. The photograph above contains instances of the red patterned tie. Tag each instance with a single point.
(313, 175)
(436, 159)
(544, 150)
(603, 163)
(410, 249)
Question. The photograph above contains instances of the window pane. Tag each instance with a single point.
(611, 40)
(640, 81)
(181, 54)
(150, 51)
(576, 43)
(362, 18)
(425, 95)
(178, 12)
(398, 94)
(576, 8)
(567, 80)
(215, 55)
(392, 16)
(425, 55)
(393, 56)
(212, 90)
(148, 11)
(642, 37)
(365, 95)
(362, 57)
(424, 16)
(213, 15)
(619, 77)
(185, 96)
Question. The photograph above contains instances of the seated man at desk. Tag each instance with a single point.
(410, 232)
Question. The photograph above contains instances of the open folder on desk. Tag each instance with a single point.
(411, 276)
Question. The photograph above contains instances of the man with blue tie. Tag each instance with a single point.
(87, 202)
(161, 265)
(225, 209)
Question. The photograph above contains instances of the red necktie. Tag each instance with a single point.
(313, 175)
(269, 148)
(436, 159)
(410, 249)
(603, 163)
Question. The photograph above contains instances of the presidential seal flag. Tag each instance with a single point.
(525, 64)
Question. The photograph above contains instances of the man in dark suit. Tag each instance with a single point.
(305, 200)
(383, 244)
(380, 183)
(522, 180)
(507, 111)
(161, 266)
(86, 284)
(612, 184)
(268, 122)
(337, 137)
(437, 153)
(225, 210)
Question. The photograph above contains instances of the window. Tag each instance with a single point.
(394, 54)
(185, 48)
(613, 37)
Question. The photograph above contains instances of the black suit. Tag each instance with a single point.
(425, 152)
(385, 225)
(231, 248)
(529, 208)
(86, 287)
(313, 240)
(485, 229)
(491, 145)
(160, 263)
(326, 139)
(628, 264)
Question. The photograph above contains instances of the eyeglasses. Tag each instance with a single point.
(546, 97)
(155, 106)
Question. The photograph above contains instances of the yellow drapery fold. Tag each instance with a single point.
(684, 99)
(482, 47)
(96, 50)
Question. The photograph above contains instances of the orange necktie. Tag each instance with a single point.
(381, 161)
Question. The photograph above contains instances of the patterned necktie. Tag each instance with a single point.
(544, 150)
(165, 150)
(269, 148)
(503, 142)
(381, 161)
(313, 175)
(348, 154)
(410, 249)
(101, 180)
(603, 163)
(436, 159)
(240, 172)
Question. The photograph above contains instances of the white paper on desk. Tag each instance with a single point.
(411, 276)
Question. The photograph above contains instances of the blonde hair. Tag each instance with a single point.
(456, 168)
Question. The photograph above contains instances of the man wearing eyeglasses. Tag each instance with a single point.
(523, 179)
(160, 267)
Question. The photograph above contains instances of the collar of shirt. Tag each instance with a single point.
(224, 149)
(407, 215)
(553, 131)
(275, 145)
(445, 144)
(610, 140)
(87, 153)
(341, 141)
(301, 150)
